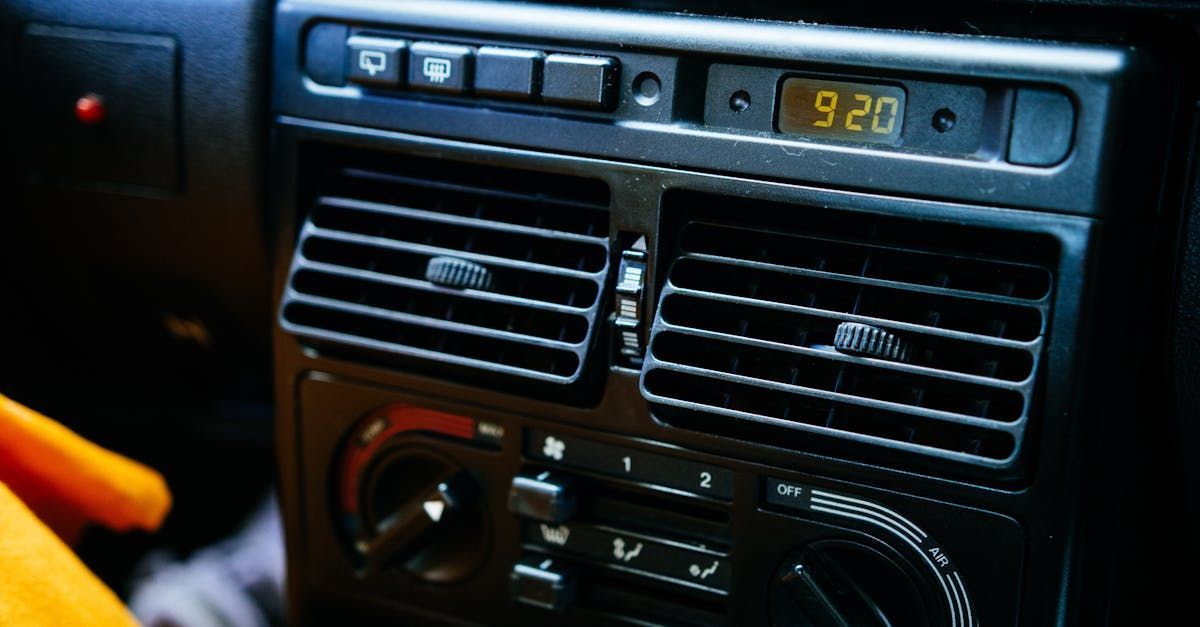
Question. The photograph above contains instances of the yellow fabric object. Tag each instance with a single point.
(69, 481)
(52, 484)
(41, 580)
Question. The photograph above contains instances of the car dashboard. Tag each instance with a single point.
(641, 313)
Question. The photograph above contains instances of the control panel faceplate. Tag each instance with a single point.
(586, 526)
(973, 103)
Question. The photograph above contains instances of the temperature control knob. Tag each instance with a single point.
(422, 512)
(839, 583)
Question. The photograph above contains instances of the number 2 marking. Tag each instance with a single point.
(706, 479)
(858, 113)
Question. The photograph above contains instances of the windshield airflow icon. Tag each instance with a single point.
(436, 69)
(372, 61)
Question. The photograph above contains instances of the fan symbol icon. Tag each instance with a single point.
(554, 448)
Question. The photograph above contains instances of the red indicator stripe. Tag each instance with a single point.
(400, 419)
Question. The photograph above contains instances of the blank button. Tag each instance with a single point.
(1043, 124)
(579, 81)
(508, 72)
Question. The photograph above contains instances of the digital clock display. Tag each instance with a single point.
(858, 112)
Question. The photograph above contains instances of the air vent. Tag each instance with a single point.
(519, 259)
(743, 339)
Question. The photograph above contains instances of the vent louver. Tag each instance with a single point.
(535, 245)
(742, 342)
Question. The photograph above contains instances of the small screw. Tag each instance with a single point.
(943, 120)
(739, 101)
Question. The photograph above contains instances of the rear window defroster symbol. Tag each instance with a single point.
(437, 70)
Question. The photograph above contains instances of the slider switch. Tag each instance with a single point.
(546, 496)
(542, 582)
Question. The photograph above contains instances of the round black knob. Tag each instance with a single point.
(458, 273)
(839, 583)
(420, 512)
(864, 340)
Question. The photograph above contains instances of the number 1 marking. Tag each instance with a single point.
(628, 463)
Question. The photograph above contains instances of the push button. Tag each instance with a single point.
(376, 60)
(324, 53)
(1043, 125)
(542, 582)
(696, 565)
(440, 67)
(794, 496)
(507, 72)
(580, 81)
(542, 496)
(631, 464)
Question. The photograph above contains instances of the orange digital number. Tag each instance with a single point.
(858, 113)
(888, 118)
(826, 103)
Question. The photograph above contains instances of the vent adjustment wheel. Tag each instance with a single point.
(864, 340)
(458, 273)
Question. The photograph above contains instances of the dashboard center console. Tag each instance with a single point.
(590, 316)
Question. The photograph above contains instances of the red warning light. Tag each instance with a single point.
(90, 110)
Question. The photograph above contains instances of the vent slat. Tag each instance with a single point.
(794, 329)
(1003, 454)
(846, 399)
(537, 242)
(483, 297)
(513, 284)
(848, 317)
(902, 264)
(326, 332)
(433, 216)
(588, 256)
(743, 338)
(432, 323)
(978, 317)
(831, 355)
(862, 280)
(484, 190)
(434, 251)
